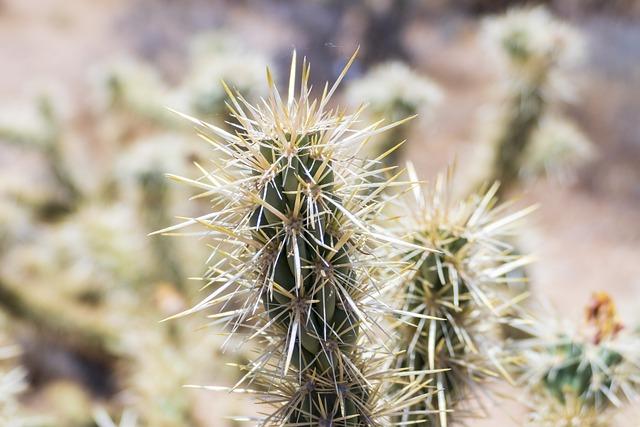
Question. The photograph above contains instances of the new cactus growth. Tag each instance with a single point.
(575, 377)
(295, 244)
(461, 283)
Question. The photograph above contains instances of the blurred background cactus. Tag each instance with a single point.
(85, 139)
(537, 54)
(392, 91)
(79, 276)
(557, 149)
(216, 57)
(102, 418)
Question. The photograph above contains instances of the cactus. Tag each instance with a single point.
(577, 377)
(41, 129)
(132, 88)
(463, 283)
(295, 246)
(213, 57)
(533, 48)
(557, 148)
(140, 172)
(128, 88)
(393, 91)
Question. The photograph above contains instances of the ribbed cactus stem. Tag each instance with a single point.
(574, 377)
(309, 277)
(436, 344)
(525, 110)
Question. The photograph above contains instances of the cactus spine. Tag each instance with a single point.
(294, 240)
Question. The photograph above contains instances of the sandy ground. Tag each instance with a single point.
(586, 236)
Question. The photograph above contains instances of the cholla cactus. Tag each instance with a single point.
(131, 86)
(12, 383)
(40, 127)
(14, 223)
(393, 91)
(145, 161)
(140, 172)
(89, 254)
(534, 48)
(24, 125)
(462, 283)
(576, 377)
(216, 57)
(392, 87)
(557, 148)
(160, 368)
(533, 45)
(294, 244)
